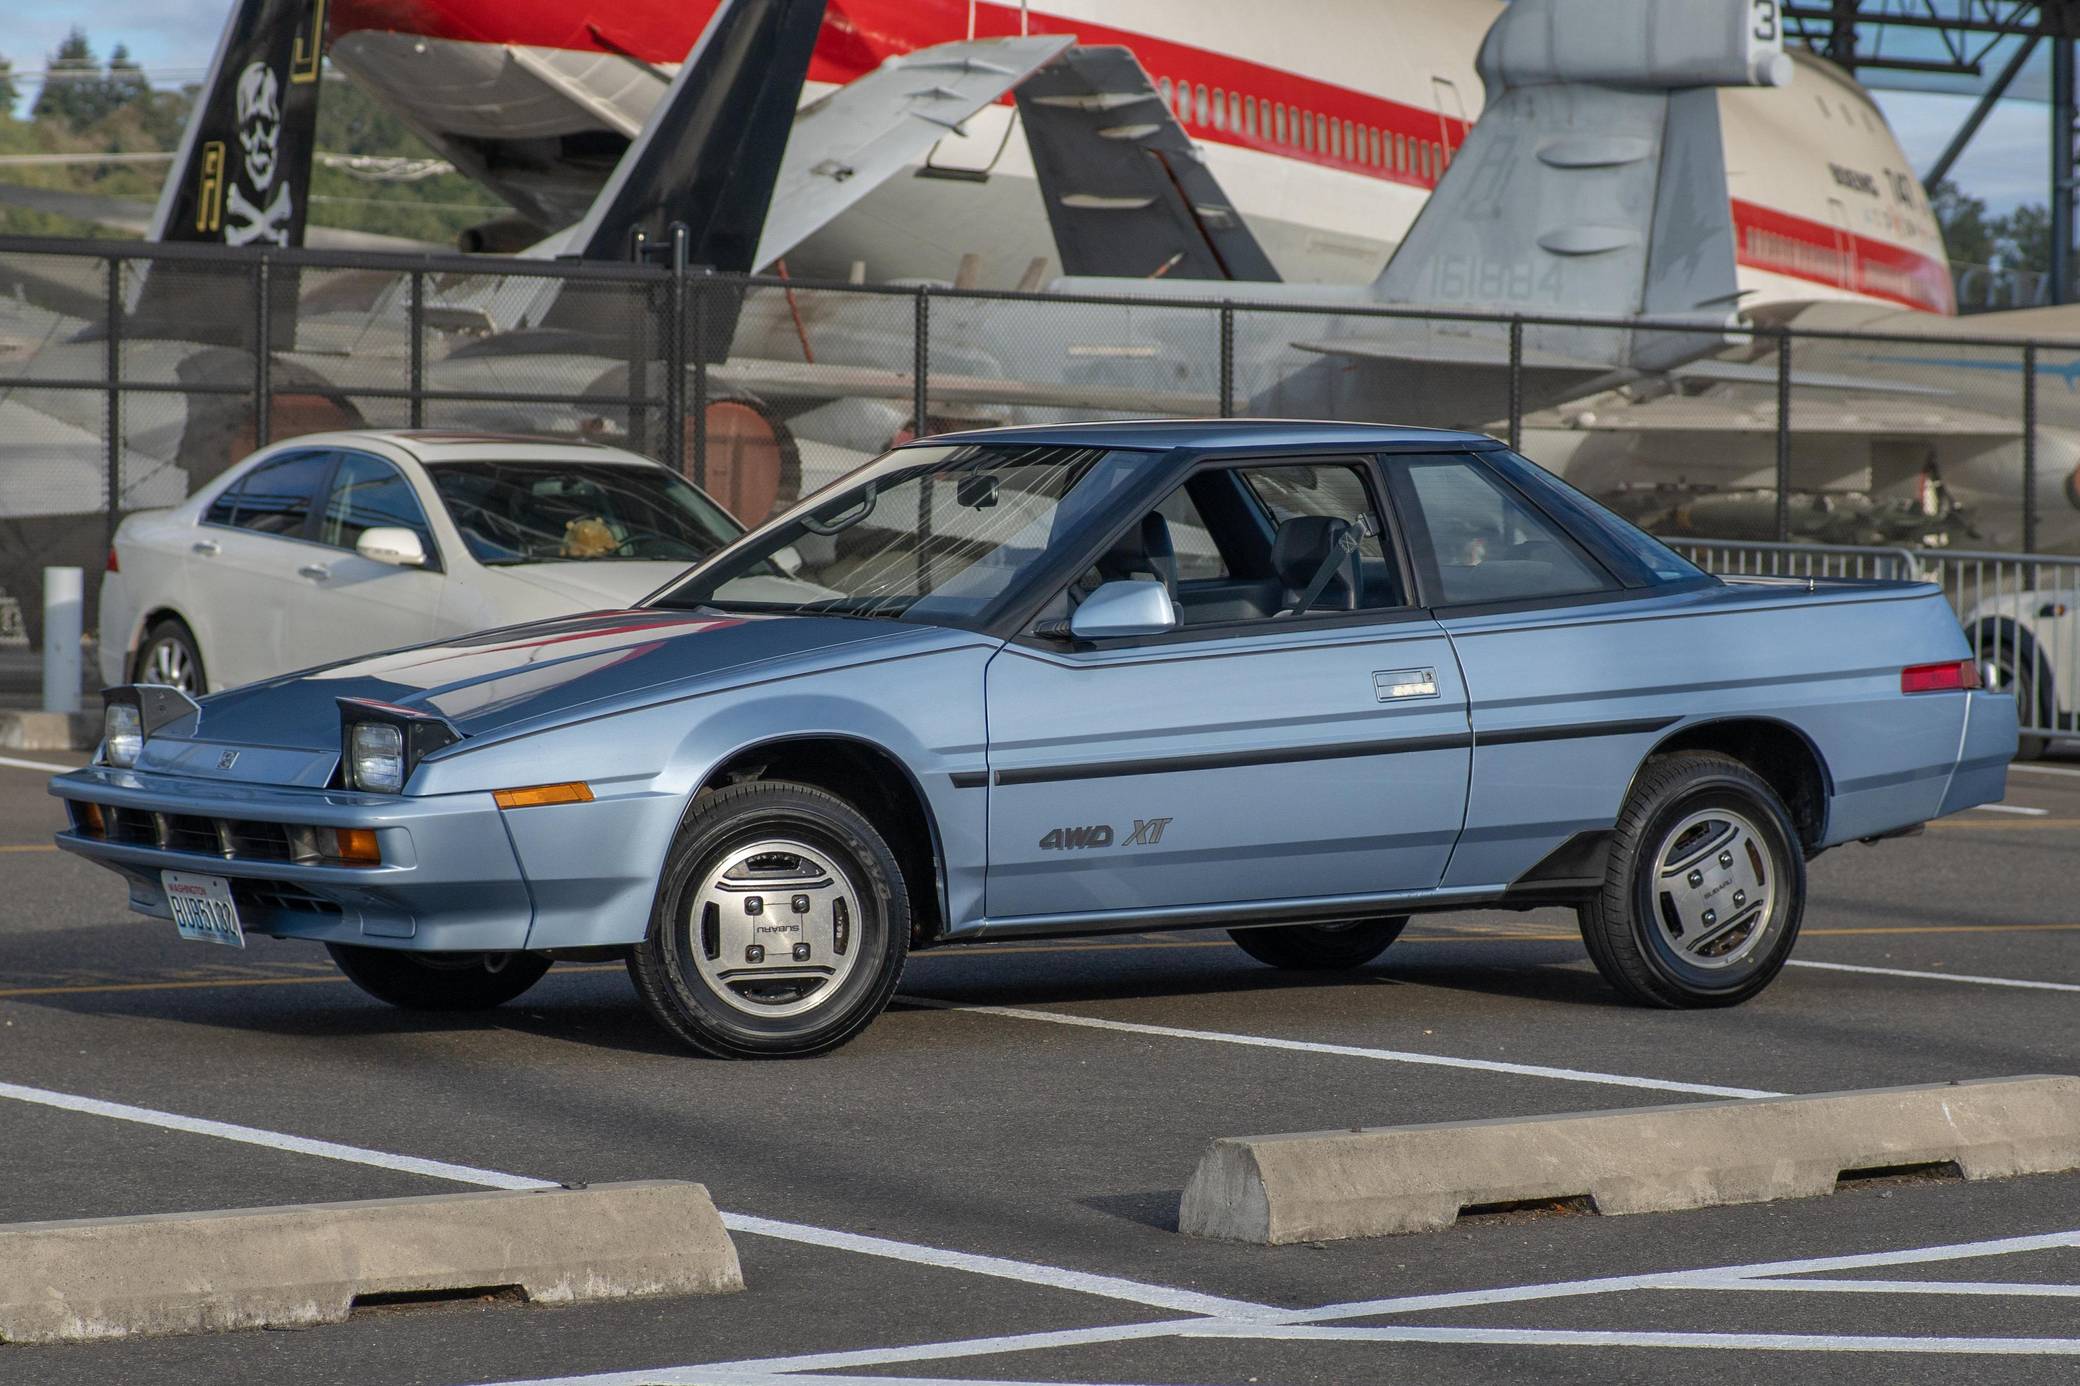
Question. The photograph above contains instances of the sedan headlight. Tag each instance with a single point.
(122, 734)
(376, 752)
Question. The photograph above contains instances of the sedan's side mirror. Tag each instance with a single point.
(393, 545)
(1134, 606)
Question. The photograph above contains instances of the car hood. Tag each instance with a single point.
(287, 729)
(590, 585)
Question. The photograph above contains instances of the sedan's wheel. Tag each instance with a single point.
(2002, 672)
(169, 656)
(1704, 886)
(1321, 947)
(781, 925)
(438, 981)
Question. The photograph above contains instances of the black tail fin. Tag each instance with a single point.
(1127, 193)
(710, 153)
(243, 173)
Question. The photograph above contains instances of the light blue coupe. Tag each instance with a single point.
(1295, 680)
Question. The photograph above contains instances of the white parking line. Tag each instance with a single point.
(1032, 1273)
(1936, 976)
(1596, 1338)
(11, 763)
(1347, 1051)
(274, 1140)
(1893, 1287)
(2048, 770)
(2022, 809)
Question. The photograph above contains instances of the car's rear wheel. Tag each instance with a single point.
(1321, 947)
(169, 655)
(1704, 886)
(781, 926)
(438, 981)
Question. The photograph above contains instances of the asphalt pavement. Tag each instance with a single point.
(984, 1186)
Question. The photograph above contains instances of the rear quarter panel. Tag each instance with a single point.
(1824, 663)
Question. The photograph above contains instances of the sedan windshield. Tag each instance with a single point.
(932, 534)
(565, 511)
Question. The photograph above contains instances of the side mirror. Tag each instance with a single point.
(396, 546)
(1137, 606)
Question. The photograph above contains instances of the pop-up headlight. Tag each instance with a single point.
(382, 743)
(132, 712)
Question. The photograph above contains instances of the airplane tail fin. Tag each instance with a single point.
(1126, 191)
(243, 172)
(1594, 182)
(710, 153)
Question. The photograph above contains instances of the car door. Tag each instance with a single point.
(1247, 764)
(345, 605)
(1550, 604)
(246, 554)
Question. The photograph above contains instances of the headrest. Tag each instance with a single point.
(1302, 545)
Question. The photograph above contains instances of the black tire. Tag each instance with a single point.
(696, 972)
(1321, 947)
(1634, 926)
(2006, 671)
(438, 981)
(169, 640)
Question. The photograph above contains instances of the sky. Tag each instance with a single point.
(173, 41)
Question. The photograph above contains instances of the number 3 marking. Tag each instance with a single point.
(1766, 21)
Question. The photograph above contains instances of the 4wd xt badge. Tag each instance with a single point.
(1147, 832)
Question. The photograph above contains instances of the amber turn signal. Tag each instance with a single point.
(576, 792)
(357, 846)
(88, 817)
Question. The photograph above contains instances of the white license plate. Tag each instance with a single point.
(202, 908)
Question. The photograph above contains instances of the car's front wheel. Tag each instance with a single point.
(1704, 886)
(438, 981)
(1321, 947)
(781, 925)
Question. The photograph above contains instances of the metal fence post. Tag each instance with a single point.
(1516, 384)
(1227, 359)
(417, 320)
(2029, 447)
(921, 363)
(112, 367)
(675, 357)
(263, 351)
(1783, 435)
(700, 379)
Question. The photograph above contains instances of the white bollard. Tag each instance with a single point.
(63, 606)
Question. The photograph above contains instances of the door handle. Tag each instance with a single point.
(206, 547)
(315, 572)
(1396, 685)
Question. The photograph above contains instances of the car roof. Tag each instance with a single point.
(457, 445)
(1239, 435)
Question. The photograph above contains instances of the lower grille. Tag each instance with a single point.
(261, 898)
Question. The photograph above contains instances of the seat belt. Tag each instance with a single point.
(1355, 532)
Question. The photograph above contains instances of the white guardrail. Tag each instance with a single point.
(2022, 611)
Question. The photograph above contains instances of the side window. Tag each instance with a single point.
(276, 497)
(224, 508)
(369, 493)
(1198, 556)
(1336, 492)
(1487, 544)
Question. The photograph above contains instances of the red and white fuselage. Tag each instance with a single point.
(1327, 123)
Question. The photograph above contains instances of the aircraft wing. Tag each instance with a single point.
(1750, 418)
(801, 381)
(849, 142)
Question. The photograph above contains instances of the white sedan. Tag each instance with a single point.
(338, 544)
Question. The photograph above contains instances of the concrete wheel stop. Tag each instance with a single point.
(1325, 1185)
(308, 1264)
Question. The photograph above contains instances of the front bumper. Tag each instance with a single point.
(449, 880)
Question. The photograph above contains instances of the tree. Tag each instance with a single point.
(68, 85)
(9, 92)
(126, 81)
(1962, 219)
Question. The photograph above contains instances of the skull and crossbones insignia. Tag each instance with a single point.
(259, 135)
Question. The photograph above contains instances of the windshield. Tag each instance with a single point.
(567, 511)
(935, 535)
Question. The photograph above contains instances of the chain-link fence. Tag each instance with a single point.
(132, 375)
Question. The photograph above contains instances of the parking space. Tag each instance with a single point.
(984, 1186)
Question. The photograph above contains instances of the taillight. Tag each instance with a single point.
(113, 566)
(1953, 676)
